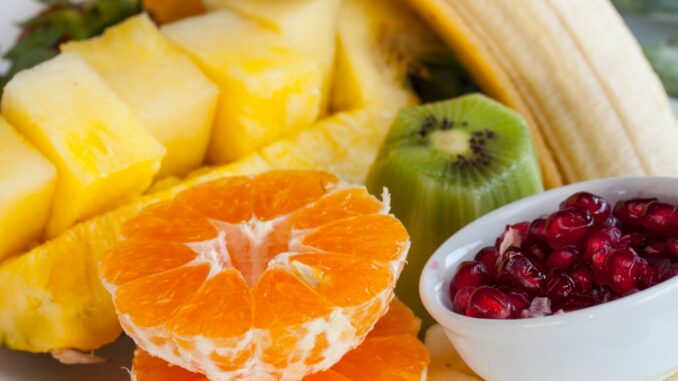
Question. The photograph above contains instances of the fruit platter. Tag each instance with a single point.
(338, 190)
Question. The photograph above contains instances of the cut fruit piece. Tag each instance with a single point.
(103, 154)
(268, 89)
(572, 49)
(390, 352)
(379, 43)
(446, 364)
(164, 88)
(26, 187)
(308, 25)
(266, 294)
(447, 164)
(76, 311)
(164, 11)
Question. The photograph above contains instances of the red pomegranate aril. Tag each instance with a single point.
(568, 227)
(596, 205)
(583, 279)
(563, 259)
(520, 299)
(520, 231)
(612, 222)
(601, 240)
(577, 302)
(559, 286)
(461, 299)
(660, 218)
(470, 274)
(489, 303)
(536, 233)
(631, 211)
(624, 267)
(636, 240)
(671, 249)
(655, 249)
(603, 295)
(488, 256)
(516, 270)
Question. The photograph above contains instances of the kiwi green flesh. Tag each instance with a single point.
(435, 196)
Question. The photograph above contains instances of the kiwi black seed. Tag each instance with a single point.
(447, 163)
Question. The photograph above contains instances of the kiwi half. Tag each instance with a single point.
(446, 164)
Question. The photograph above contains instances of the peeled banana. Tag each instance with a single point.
(575, 72)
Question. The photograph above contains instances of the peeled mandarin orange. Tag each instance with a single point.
(271, 277)
(391, 352)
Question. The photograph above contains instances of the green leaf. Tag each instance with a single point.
(664, 61)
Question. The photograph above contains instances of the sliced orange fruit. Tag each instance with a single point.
(391, 352)
(275, 276)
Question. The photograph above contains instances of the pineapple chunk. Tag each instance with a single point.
(268, 90)
(26, 187)
(309, 25)
(165, 89)
(102, 153)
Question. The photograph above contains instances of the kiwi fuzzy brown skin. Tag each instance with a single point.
(447, 163)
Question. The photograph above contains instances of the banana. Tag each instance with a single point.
(576, 73)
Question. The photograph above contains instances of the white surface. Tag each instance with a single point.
(630, 339)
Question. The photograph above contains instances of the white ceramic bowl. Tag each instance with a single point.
(634, 338)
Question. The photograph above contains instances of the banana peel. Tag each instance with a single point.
(575, 72)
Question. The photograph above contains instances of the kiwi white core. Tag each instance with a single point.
(454, 142)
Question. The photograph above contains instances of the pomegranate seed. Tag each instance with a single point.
(671, 248)
(612, 222)
(536, 233)
(536, 253)
(520, 299)
(488, 256)
(601, 240)
(656, 249)
(631, 211)
(517, 270)
(461, 299)
(624, 267)
(520, 228)
(577, 302)
(636, 240)
(603, 295)
(597, 206)
(489, 303)
(660, 218)
(559, 286)
(568, 227)
(470, 274)
(582, 277)
(563, 259)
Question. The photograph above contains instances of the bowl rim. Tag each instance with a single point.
(432, 295)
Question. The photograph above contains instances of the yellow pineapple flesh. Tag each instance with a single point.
(26, 188)
(310, 26)
(268, 89)
(160, 83)
(103, 154)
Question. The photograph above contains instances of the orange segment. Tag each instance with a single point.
(380, 237)
(282, 299)
(392, 358)
(281, 192)
(169, 221)
(210, 281)
(152, 300)
(135, 259)
(399, 320)
(227, 200)
(224, 298)
(385, 357)
(342, 204)
(345, 280)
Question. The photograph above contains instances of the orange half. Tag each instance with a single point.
(391, 352)
(271, 277)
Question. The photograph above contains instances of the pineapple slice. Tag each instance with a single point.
(165, 89)
(26, 187)
(102, 153)
(309, 25)
(268, 89)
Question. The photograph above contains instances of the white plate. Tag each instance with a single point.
(15, 366)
